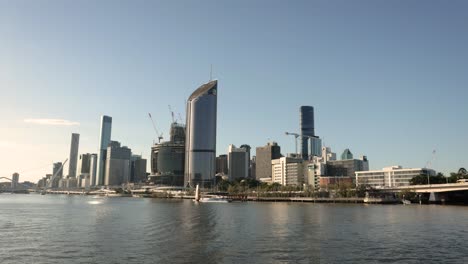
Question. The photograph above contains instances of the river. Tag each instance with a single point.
(83, 229)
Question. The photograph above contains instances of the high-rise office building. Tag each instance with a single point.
(307, 128)
(200, 154)
(75, 141)
(222, 164)
(247, 149)
(14, 181)
(104, 140)
(117, 164)
(264, 156)
(57, 169)
(137, 169)
(347, 155)
(238, 163)
(93, 169)
(84, 164)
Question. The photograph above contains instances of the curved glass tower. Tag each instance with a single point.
(307, 128)
(200, 150)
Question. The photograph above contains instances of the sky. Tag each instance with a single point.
(387, 79)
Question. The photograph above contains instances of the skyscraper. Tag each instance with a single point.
(238, 163)
(14, 181)
(104, 140)
(137, 169)
(247, 149)
(264, 156)
(57, 169)
(222, 164)
(200, 142)
(307, 128)
(93, 169)
(117, 164)
(75, 141)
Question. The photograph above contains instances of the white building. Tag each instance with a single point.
(313, 170)
(327, 154)
(287, 171)
(238, 162)
(394, 176)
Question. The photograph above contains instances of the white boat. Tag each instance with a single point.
(209, 198)
(214, 199)
(406, 202)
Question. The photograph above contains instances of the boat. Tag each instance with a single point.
(380, 198)
(214, 199)
(210, 198)
(406, 202)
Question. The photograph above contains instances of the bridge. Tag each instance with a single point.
(429, 188)
(450, 192)
(17, 190)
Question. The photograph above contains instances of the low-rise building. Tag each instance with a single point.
(394, 176)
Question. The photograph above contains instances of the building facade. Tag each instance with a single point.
(72, 163)
(104, 140)
(14, 181)
(222, 164)
(93, 169)
(117, 164)
(394, 176)
(313, 171)
(247, 149)
(167, 164)
(200, 154)
(347, 168)
(84, 164)
(137, 169)
(307, 128)
(238, 163)
(347, 155)
(287, 171)
(328, 155)
(263, 158)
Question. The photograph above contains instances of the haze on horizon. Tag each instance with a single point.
(387, 79)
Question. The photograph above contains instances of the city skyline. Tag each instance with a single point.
(393, 90)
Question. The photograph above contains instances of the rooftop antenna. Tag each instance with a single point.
(211, 72)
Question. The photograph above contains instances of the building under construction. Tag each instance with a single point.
(168, 158)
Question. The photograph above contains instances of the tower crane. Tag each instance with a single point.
(160, 136)
(172, 113)
(295, 135)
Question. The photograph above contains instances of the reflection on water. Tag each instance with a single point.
(83, 229)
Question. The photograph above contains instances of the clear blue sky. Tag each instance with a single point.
(388, 79)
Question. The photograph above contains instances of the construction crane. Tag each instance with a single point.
(172, 113)
(180, 118)
(52, 179)
(160, 136)
(295, 135)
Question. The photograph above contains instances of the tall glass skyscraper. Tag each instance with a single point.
(307, 128)
(75, 141)
(200, 150)
(104, 140)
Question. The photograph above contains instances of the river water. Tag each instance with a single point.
(83, 229)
